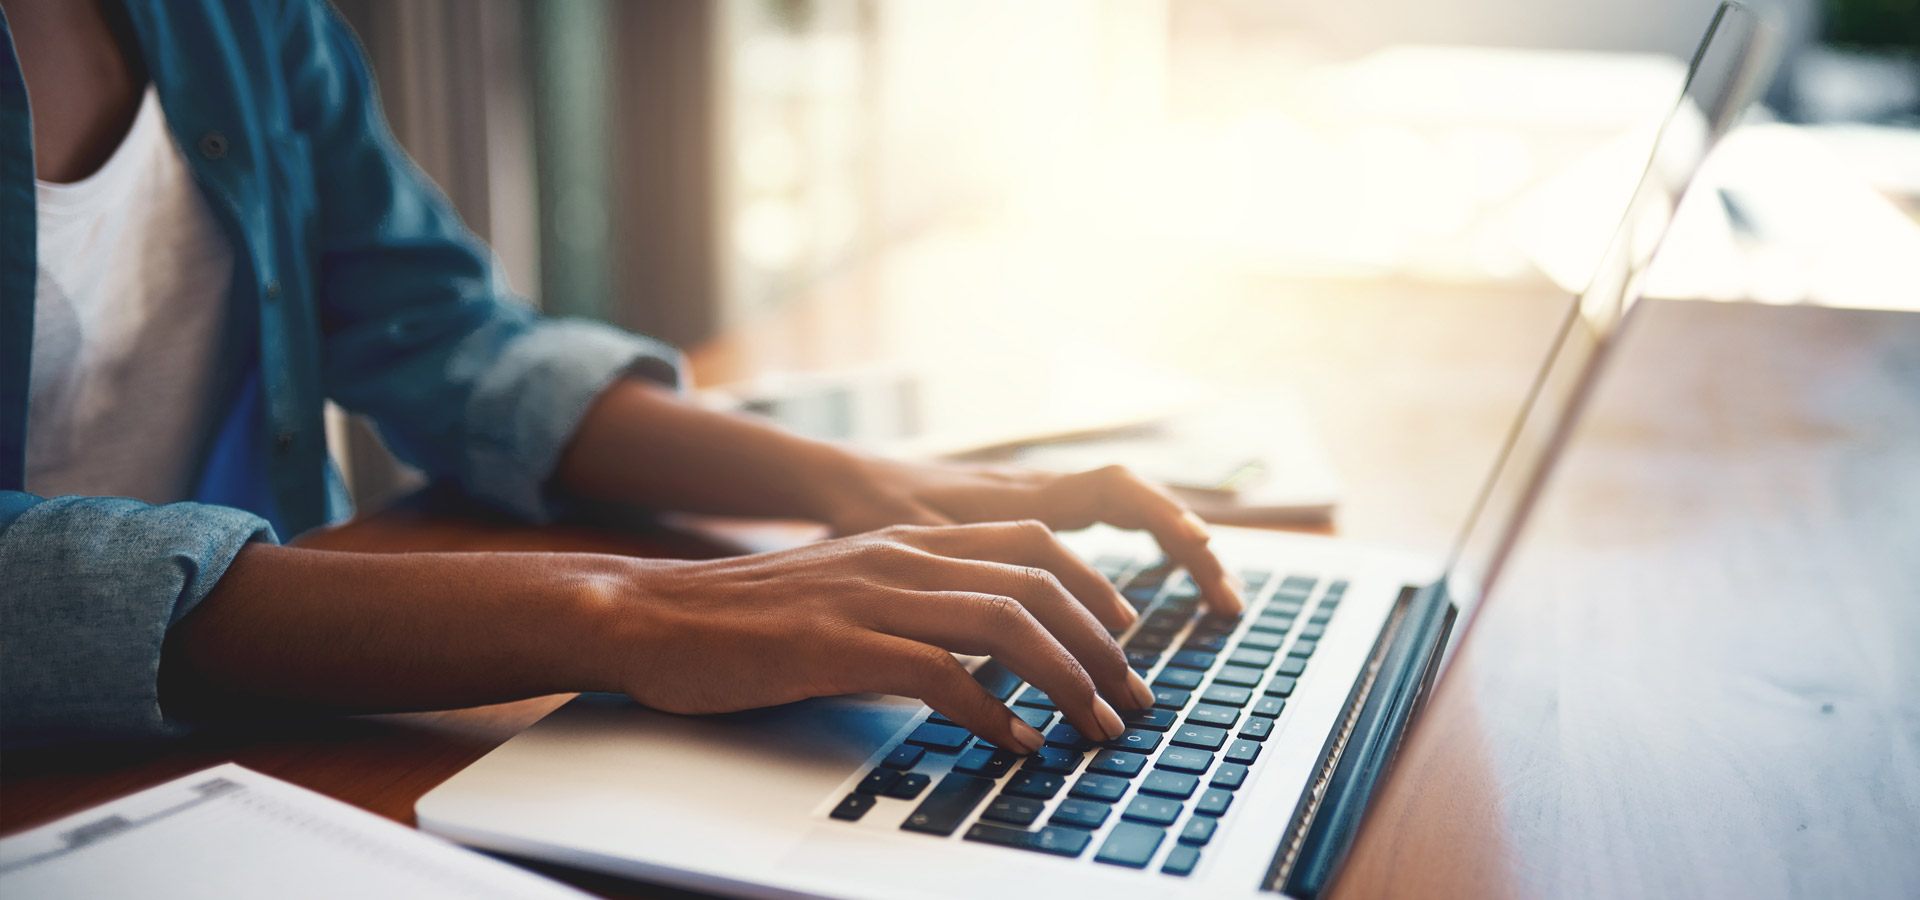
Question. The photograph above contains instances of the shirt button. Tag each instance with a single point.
(273, 288)
(213, 145)
(283, 441)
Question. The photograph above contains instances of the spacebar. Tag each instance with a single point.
(952, 799)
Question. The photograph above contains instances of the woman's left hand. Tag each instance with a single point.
(900, 493)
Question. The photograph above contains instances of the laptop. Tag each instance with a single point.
(1250, 777)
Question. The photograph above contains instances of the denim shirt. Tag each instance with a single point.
(353, 281)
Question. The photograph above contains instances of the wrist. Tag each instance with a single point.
(595, 606)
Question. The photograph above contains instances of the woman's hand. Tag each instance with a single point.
(889, 493)
(879, 612)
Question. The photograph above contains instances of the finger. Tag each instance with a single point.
(1030, 543)
(1001, 626)
(888, 664)
(1118, 497)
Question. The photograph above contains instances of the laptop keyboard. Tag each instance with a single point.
(1158, 792)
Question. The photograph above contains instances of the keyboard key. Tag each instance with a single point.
(1104, 788)
(1184, 679)
(1219, 716)
(1248, 656)
(1254, 580)
(1256, 729)
(1183, 759)
(949, 804)
(1292, 666)
(1299, 584)
(1227, 695)
(1181, 860)
(1211, 643)
(903, 757)
(1036, 698)
(1273, 623)
(877, 781)
(1152, 810)
(1150, 719)
(1284, 606)
(1058, 760)
(853, 807)
(1038, 785)
(985, 763)
(1240, 676)
(1303, 648)
(1194, 659)
(1116, 762)
(1131, 845)
(1178, 785)
(1142, 660)
(909, 786)
(1081, 813)
(1058, 841)
(1140, 595)
(997, 679)
(1205, 737)
(1313, 632)
(1038, 718)
(1270, 706)
(1170, 698)
(1065, 735)
(1263, 640)
(1281, 686)
(1149, 642)
(1243, 751)
(1321, 615)
(1136, 740)
(1213, 803)
(1198, 831)
(939, 738)
(1230, 776)
(1013, 810)
(1112, 566)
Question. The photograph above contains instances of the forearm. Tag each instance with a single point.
(351, 632)
(645, 446)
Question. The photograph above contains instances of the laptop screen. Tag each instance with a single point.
(1731, 61)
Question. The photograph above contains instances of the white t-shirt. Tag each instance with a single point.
(129, 311)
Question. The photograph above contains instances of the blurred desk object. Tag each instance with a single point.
(1699, 679)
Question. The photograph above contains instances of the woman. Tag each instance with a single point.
(206, 231)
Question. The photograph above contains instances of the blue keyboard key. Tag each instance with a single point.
(985, 763)
(1218, 716)
(909, 786)
(1181, 860)
(1058, 760)
(1171, 698)
(941, 738)
(1213, 803)
(1242, 676)
(853, 807)
(903, 757)
(1035, 697)
(1183, 759)
(952, 800)
(1263, 640)
(1227, 695)
(1152, 810)
(877, 781)
(1151, 719)
(1163, 783)
(1065, 735)
(1184, 679)
(1281, 687)
(1013, 810)
(1204, 737)
(1193, 659)
(1199, 830)
(1116, 762)
(1243, 751)
(1038, 718)
(1104, 788)
(1081, 813)
(1136, 740)
(1292, 666)
(1270, 706)
(1038, 785)
(1057, 841)
(1248, 656)
(1229, 776)
(1257, 729)
(1131, 845)
(997, 679)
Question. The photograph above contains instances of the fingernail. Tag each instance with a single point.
(1196, 526)
(1142, 693)
(1025, 738)
(1109, 720)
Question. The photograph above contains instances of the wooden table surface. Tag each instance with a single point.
(1699, 678)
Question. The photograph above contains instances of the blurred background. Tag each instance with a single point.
(1142, 194)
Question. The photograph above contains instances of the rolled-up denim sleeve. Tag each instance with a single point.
(463, 379)
(89, 587)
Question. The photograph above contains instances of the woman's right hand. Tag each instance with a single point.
(881, 612)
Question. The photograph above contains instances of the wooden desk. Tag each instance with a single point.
(1699, 679)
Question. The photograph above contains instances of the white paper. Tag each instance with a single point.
(232, 832)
